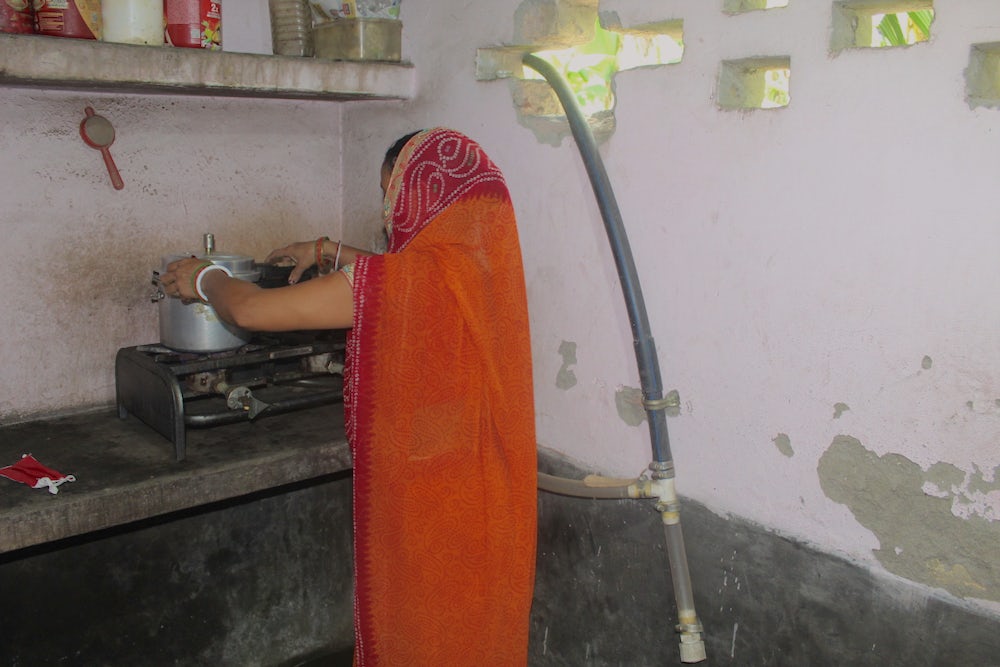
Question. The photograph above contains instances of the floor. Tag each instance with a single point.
(340, 659)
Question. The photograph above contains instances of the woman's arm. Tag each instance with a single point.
(326, 302)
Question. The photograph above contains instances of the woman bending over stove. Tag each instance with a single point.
(438, 403)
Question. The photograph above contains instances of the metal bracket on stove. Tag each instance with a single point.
(241, 398)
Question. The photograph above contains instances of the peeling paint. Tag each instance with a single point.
(784, 444)
(839, 409)
(628, 400)
(944, 475)
(916, 516)
(566, 378)
(926, 363)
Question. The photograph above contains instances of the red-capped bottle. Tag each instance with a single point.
(194, 24)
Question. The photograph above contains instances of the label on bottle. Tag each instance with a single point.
(194, 24)
(132, 21)
(68, 18)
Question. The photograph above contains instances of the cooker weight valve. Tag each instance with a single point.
(241, 398)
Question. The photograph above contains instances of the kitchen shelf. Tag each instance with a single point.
(63, 63)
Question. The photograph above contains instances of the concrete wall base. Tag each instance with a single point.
(267, 580)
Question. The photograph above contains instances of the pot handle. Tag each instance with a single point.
(158, 294)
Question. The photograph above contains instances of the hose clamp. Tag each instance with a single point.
(671, 400)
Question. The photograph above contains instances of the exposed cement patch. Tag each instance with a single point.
(566, 378)
(784, 444)
(920, 536)
(944, 475)
(981, 89)
(978, 482)
(628, 401)
(839, 409)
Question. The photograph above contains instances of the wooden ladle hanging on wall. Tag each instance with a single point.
(97, 132)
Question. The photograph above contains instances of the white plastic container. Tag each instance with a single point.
(132, 21)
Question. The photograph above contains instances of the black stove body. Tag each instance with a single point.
(172, 391)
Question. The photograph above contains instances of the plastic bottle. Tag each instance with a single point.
(132, 21)
(195, 24)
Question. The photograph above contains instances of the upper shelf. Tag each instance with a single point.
(57, 62)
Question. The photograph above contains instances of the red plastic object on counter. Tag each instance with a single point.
(68, 18)
(195, 24)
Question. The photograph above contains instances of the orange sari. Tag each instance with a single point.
(440, 417)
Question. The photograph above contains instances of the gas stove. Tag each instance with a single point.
(172, 391)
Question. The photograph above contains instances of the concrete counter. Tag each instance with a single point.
(125, 471)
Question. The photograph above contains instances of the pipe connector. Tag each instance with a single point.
(665, 493)
(692, 646)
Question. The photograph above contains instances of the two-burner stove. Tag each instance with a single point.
(171, 391)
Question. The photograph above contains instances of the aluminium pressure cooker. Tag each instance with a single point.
(196, 327)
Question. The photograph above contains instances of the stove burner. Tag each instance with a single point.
(171, 391)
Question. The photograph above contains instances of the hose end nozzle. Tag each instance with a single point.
(692, 647)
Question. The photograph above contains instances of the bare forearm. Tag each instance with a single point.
(322, 303)
(235, 301)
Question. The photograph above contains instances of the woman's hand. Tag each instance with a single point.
(178, 280)
(302, 255)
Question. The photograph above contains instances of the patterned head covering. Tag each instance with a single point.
(435, 168)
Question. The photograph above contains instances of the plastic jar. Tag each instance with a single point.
(17, 16)
(68, 18)
(132, 21)
(291, 27)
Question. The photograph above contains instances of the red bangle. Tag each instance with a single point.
(320, 266)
